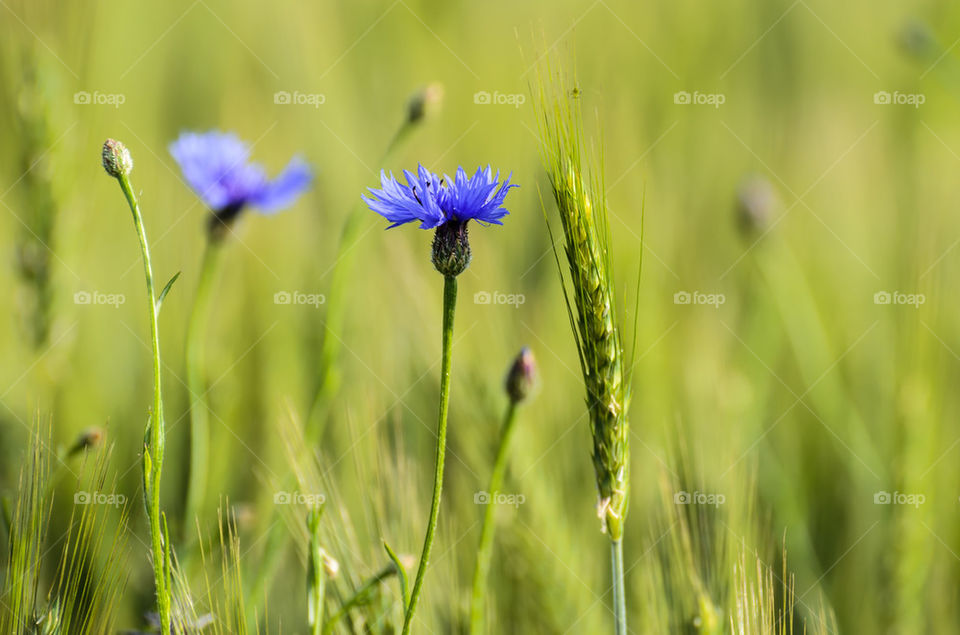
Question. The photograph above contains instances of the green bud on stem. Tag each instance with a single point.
(116, 158)
(451, 248)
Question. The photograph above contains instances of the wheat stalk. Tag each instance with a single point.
(577, 184)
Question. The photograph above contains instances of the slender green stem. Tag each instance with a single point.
(154, 467)
(317, 593)
(329, 375)
(485, 551)
(619, 597)
(316, 627)
(196, 384)
(317, 579)
(449, 307)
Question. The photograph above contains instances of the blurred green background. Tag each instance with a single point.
(799, 395)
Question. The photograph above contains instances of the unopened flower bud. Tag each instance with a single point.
(425, 102)
(917, 40)
(521, 376)
(116, 158)
(756, 202)
(451, 248)
(89, 438)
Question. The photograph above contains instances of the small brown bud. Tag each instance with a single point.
(756, 204)
(88, 439)
(521, 376)
(425, 102)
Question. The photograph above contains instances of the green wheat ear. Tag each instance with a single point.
(577, 184)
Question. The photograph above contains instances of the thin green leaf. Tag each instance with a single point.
(401, 573)
(166, 289)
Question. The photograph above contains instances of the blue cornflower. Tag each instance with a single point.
(434, 201)
(446, 205)
(217, 166)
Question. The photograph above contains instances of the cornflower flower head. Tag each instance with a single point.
(217, 167)
(445, 205)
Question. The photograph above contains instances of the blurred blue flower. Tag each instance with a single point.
(217, 166)
(434, 201)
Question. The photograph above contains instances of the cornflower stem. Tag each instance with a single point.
(449, 307)
(153, 465)
(619, 596)
(196, 382)
(329, 375)
(485, 551)
(329, 372)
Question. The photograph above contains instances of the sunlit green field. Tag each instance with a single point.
(786, 173)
